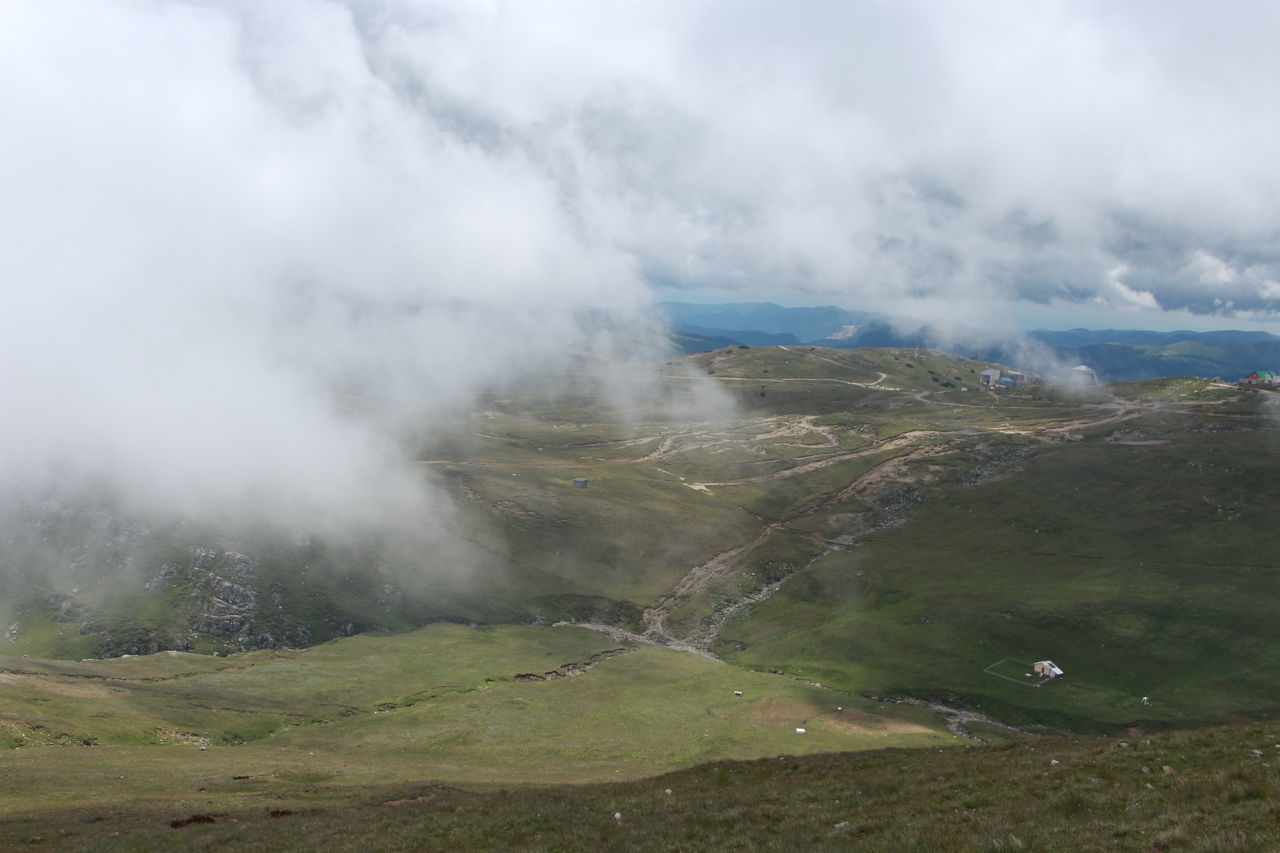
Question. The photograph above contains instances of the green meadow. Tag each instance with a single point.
(170, 733)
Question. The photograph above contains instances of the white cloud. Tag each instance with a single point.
(221, 219)
(211, 208)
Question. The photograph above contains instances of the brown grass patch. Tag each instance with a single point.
(195, 819)
(79, 688)
(782, 712)
(861, 723)
(409, 801)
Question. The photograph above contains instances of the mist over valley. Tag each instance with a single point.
(440, 425)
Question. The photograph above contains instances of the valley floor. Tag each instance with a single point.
(157, 737)
(1200, 790)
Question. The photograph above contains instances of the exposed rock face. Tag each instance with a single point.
(223, 585)
(228, 599)
(51, 544)
(569, 670)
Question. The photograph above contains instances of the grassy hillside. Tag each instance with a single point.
(85, 577)
(914, 369)
(1228, 359)
(1201, 790)
(1141, 562)
(861, 518)
(862, 524)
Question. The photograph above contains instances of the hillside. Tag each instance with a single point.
(863, 518)
(88, 579)
(1141, 561)
(864, 546)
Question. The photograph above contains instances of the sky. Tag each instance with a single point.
(220, 217)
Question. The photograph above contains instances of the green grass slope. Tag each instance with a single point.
(1143, 565)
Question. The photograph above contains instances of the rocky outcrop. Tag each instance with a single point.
(569, 670)
(220, 582)
(67, 609)
(226, 600)
(161, 585)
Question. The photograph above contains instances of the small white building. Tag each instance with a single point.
(1047, 669)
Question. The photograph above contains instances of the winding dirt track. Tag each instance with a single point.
(723, 565)
(697, 579)
(898, 441)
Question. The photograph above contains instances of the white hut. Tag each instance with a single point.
(1047, 669)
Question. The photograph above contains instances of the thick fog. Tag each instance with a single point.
(241, 264)
(247, 246)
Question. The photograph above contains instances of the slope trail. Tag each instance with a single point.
(897, 442)
(876, 486)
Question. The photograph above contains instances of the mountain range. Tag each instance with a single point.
(1118, 355)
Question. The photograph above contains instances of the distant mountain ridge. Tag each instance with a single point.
(1140, 337)
(1118, 355)
(805, 324)
(748, 336)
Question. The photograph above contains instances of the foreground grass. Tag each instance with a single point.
(1200, 790)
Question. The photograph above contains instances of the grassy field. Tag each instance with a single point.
(1213, 789)
(174, 732)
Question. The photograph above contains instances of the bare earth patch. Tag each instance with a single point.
(860, 723)
(79, 688)
(782, 712)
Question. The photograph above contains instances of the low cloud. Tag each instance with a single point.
(249, 246)
(242, 266)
